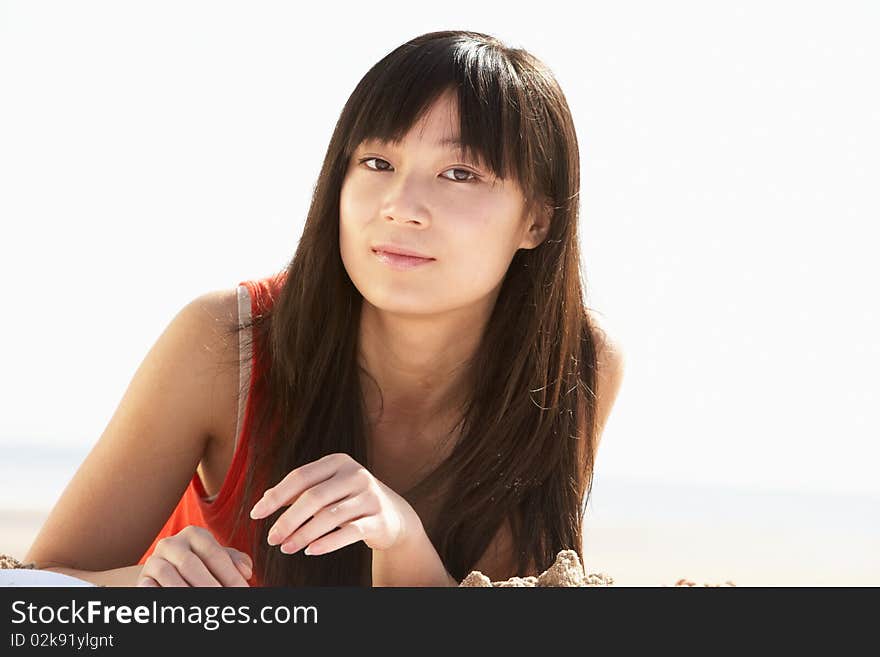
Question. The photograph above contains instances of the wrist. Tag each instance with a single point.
(412, 533)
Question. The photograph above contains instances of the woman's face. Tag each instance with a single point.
(422, 197)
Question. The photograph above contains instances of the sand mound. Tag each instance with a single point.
(565, 571)
(8, 562)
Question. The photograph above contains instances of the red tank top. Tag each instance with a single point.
(216, 516)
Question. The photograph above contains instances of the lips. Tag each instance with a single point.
(393, 249)
(401, 262)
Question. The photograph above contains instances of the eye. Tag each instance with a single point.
(368, 159)
(473, 177)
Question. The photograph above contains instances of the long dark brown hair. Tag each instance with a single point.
(527, 430)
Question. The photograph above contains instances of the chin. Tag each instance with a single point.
(402, 304)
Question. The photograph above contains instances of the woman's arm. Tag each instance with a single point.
(414, 562)
(125, 576)
(134, 476)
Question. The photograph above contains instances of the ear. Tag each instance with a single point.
(538, 222)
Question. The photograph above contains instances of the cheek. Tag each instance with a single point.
(353, 260)
(351, 225)
(356, 198)
(478, 260)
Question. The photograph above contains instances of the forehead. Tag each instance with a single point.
(438, 126)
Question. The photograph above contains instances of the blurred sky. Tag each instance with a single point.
(150, 152)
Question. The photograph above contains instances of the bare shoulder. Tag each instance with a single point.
(611, 363)
(219, 318)
(219, 313)
(607, 339)
(215, 315)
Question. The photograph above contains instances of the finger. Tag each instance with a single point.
(243, 563)
(147, 581)
(331, 517)
(163, 572)
(215, 566)
(246, 573)
(189, 563)
(308, 504)
(243, 557)
(345, 535)
(294, 484)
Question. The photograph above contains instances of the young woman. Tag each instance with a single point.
(420, 393)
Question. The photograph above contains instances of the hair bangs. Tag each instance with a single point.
(398, 91)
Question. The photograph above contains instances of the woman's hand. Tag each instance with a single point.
(193, 557)
(335, 491)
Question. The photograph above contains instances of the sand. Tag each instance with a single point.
(7, 562)
(566, 571)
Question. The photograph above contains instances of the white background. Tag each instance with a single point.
(150, 152)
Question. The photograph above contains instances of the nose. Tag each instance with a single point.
(405, 204)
